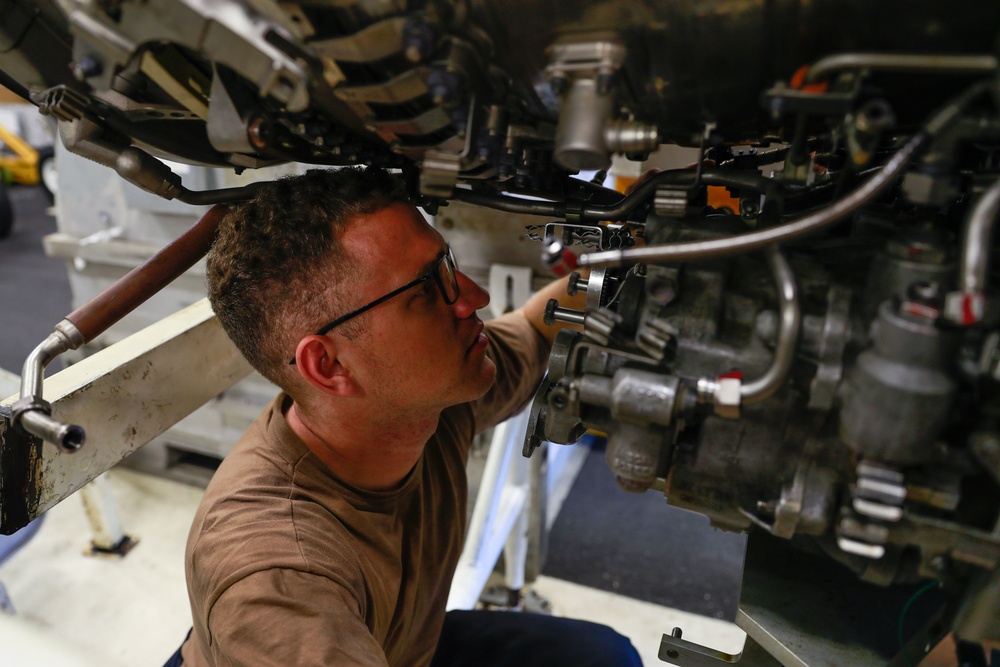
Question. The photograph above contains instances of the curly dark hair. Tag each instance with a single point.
(275, 271)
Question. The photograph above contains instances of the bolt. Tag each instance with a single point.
(259, 133)
(677, 633)
(749, 208)
(559, 84)
(558, 399)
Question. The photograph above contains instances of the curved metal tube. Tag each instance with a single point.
(788, 332)
(33, 372)
(220, 196)
(698, 250)
(88, 321)
(620, 210)
(807, 224)
(977, 241)
(898, 62)
(511, 204)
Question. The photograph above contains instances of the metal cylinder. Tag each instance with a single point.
(897, 397)
(580, 141)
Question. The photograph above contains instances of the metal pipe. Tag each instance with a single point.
(699, 250)
(620, 210)
(33, 372)
(977, 241)
(138, 285)
(680, 178)
(898, 62)
(511, 204)
(93, 318)
(141, 169)
(68, 437)
(788, 332)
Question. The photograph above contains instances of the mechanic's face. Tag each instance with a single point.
(416, 350)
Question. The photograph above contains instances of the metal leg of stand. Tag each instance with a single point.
(501, 502)
(109, 537)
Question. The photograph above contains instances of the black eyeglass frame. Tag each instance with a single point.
(433, 274)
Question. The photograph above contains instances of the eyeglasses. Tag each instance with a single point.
(444, 273)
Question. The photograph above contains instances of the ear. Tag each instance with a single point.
(318, 360)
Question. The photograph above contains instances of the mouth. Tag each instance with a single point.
(480, 340)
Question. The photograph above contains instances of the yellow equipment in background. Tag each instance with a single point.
(19, 162)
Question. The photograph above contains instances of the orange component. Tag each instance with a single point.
(719, 197)
(799, 79)
(622, 183)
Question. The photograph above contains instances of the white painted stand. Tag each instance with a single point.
(499, 518)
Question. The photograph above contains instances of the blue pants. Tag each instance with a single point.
(511, 639)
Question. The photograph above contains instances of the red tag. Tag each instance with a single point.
(566, 264)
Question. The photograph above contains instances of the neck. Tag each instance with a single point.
(369, 451)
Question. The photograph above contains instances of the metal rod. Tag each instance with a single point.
(788, 332)
(699, 250)
(620, 210)
(93, 318)
(138, 285)
(977, 241)
(898, 62)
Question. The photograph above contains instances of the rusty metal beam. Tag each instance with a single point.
(124, 396)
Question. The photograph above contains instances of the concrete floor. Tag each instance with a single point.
(75, 610)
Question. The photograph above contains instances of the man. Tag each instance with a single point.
(330, 533)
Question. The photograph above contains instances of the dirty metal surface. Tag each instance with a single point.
(123, 396)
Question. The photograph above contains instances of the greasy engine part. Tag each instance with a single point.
(840, 392)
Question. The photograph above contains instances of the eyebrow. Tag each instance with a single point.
(426, 268)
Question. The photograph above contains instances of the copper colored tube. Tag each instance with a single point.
(134, 288)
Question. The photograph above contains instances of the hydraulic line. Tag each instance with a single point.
(812, 222)
(900, 62)
(788, 331)
(93, 318)
(977, 241)
(620, 210)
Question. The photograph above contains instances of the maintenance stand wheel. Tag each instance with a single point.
(6, 212)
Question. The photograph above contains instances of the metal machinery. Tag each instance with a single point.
(796, 336)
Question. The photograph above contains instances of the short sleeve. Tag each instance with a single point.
(521, 355)
(288, 618)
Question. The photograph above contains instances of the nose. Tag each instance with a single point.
(471, 297)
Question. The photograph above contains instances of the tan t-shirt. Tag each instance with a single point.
(287, 565)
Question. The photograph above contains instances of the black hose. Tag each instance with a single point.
(220, 196)
(620, 210)
(511, 204)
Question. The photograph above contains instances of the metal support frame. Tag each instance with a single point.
(802, 610)
(109, 536)
(125, 395)
(499, 518)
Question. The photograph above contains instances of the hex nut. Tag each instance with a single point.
(727, 398)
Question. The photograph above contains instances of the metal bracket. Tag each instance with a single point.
(677, 651)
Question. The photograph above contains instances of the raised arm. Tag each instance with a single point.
(534, 308)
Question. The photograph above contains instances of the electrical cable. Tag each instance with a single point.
(906, 607)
